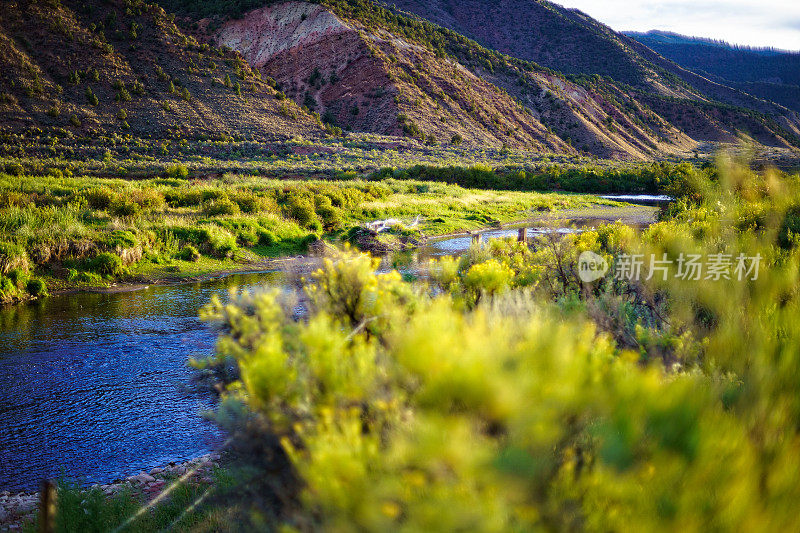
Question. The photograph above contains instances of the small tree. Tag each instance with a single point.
(91, 97)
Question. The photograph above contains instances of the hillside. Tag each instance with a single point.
(276, 69)
(376, 83)
(767, 73)
(571, 42)
(366, 69)
(80, 68)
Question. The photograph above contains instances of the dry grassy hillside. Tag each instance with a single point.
(573, 43)
(124, 66)
(366, 79)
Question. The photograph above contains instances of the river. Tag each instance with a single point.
(96, 385)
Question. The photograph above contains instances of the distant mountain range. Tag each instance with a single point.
(517, 73)
(765, 72)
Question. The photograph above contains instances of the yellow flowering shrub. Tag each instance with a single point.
(404, 409)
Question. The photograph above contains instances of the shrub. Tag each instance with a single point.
(148, 199)
(490, 278)
(36, 287)
(252, 203)
(220, 206)
(410, 129)
(789, 233)
(8, 290)
(177, 171)
(122, 239)
(107, 264)
(331, 217)
(99, 198)
(14, 169)
(123, 206)
(301, 209)
(184, 197)
(123, 95)
(220, 242)
(90, 97)
(189, 253)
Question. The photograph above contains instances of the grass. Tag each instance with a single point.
(88, 231)
(91, 511)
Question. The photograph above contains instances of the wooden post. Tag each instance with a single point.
(523, 235)
(47, 507)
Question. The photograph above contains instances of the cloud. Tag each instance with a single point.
(764, 23)
(793, 24)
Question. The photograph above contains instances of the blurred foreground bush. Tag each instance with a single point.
(504, 394)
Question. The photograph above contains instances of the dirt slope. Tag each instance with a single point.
(369, 80)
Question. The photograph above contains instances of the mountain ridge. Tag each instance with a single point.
(570, 41)
(278, 69)
(767, 73)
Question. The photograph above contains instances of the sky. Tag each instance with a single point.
(773, 23)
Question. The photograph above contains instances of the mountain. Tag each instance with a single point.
(765, 72)
(595, 114)
(123, 66)
(571, 42)
(377, 82)
(367, 75)
(274, 69)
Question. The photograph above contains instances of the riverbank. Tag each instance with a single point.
(59, 233)
(632, 215)
(20, 507)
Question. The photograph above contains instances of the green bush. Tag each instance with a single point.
(36, 287)
(124, 206)
(8, 290)
(184, 197)
(99, 198)
(220, 206)
(220, 242)
(122, 239)
(252, 203)
(189, 253)
(301, 208)
(177, 171)
(107, 264)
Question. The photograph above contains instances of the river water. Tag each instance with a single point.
(96, 385)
